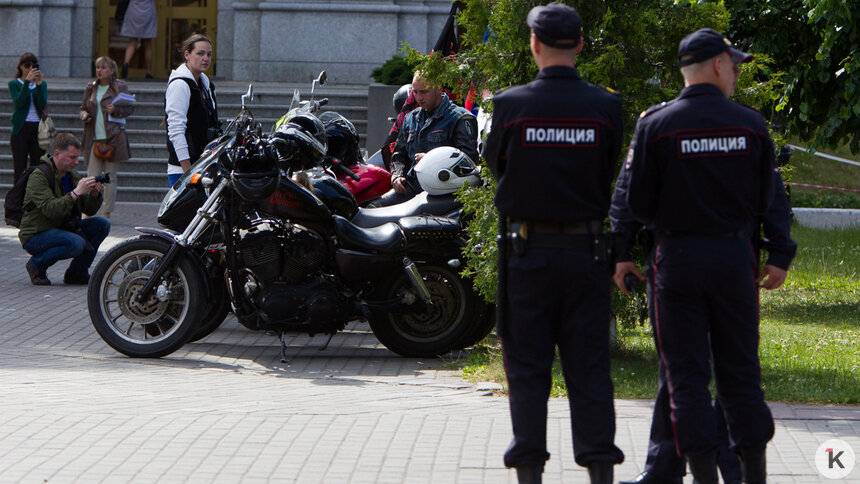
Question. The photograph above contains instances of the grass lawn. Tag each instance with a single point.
(810, 332)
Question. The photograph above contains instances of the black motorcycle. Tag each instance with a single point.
(244, 232)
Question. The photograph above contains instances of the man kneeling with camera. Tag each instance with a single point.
(51, 226)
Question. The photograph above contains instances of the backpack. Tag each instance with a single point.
(15, 196)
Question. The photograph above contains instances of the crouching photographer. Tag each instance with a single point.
(51, 227)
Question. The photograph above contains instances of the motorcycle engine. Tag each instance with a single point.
(286, 281)
(288, 258)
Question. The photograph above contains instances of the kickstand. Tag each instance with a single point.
(284, 348)
(327, 342)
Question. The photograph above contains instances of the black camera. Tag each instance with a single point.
(35, 66)
(103, 178)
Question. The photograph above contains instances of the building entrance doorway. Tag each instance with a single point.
(177, 20)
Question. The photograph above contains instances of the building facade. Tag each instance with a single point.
(255, 40)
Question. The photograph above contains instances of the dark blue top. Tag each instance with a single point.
(700, 164)
(553, 147)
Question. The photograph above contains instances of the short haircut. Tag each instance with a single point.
(188, 44)
(63, 141)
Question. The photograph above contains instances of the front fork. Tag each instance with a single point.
(204, 216)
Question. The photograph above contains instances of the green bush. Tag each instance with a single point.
(824, 199)
(395, 71)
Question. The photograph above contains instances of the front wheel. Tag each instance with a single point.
(160, 323)
(432, 330)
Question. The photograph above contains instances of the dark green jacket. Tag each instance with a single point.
(53, 206)
(21, 101)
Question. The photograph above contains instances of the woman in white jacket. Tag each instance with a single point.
(190, 107)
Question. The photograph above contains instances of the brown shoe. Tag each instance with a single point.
(37, 278)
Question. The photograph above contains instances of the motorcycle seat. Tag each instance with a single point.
(421, 204)
(385, 238)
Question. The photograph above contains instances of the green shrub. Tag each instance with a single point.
(823, 199)
(395, 71)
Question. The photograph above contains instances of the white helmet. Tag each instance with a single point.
(445, 169)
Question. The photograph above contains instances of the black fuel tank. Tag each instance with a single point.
(335, 196)
(294, 202)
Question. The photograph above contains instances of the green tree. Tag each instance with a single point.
(816, 44)
(630, 47)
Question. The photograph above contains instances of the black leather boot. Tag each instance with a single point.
(600, 472)
(704, 468)
(753, 464)
(529, 475)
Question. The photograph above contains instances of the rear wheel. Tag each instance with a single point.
(160, 323)
(484, 326)
(429, 330)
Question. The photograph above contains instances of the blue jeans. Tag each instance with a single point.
(53, 245)
(172, 178)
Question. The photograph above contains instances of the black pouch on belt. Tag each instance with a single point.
(603, 249)
(518, 236)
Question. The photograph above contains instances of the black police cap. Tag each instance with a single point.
(555, 25)
(704, 44)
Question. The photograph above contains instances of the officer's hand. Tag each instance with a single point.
(621, 270)
(771, 277)
(398, 185)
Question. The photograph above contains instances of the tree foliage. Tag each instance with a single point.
(816, 43)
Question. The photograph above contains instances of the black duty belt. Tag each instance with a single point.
(555, 227)
(578, 242)
(738, 234)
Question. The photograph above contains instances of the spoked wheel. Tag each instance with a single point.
(429, 330)
(161, 322)
(479, 331)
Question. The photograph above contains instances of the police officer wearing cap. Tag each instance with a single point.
(700, 173)
(663, 465)
(553, 149)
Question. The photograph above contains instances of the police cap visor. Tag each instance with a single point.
(704, 44)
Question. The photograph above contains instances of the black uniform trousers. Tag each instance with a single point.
(558, 297)
(706, 310)
(662, 459)
(25, 145)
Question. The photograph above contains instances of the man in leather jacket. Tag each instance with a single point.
(435, 122)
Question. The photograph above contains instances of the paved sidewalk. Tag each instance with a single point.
(226, 409)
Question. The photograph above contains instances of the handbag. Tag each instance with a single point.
(103, 151)
(46, 131)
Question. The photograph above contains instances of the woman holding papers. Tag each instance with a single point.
(106, 105)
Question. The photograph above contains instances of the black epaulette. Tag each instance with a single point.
(653, 109)
(749, 107)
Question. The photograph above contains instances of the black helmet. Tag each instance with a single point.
(256, 174)
(342, 138)
(301, 141)
(400, 97)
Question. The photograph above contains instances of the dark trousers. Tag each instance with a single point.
(558, 298)
(662, 459)
(706, 311)
(25, 145)
(53, 245)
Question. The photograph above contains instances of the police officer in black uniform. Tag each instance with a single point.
(663, 465)
(701, 172)
(553, 149)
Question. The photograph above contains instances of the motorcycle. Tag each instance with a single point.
(243, 232)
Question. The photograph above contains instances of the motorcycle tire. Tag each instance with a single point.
(430, 331)
(152, 328)
(217, 312)
(479, 331)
